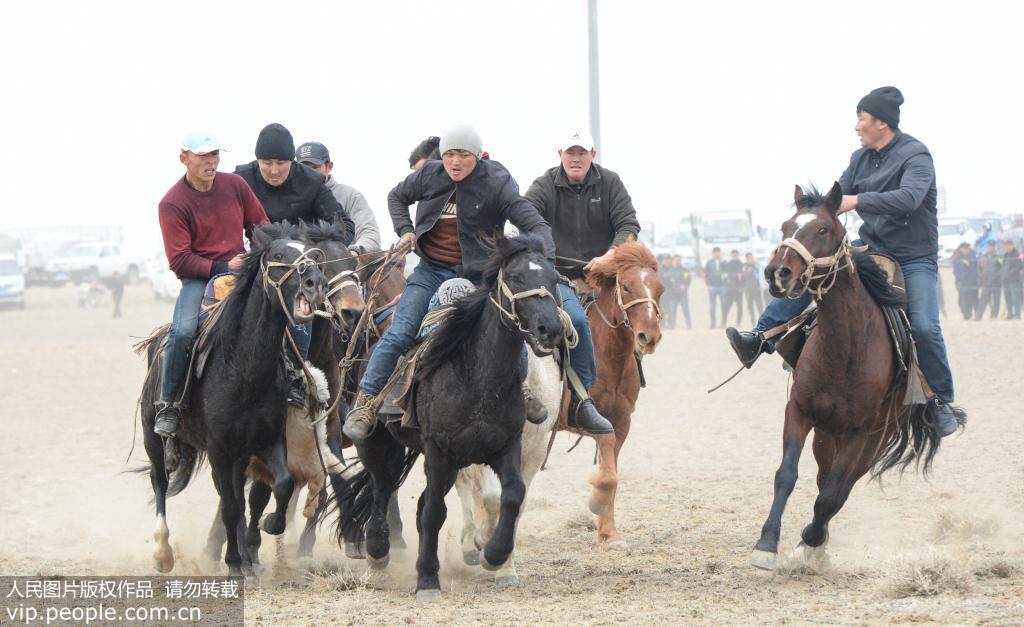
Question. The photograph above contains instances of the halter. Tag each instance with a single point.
(513, 316)
(833, 264)
(624, 307)
(301, 264)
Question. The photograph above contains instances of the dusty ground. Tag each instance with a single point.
(696, 483)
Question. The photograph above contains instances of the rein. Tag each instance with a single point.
(571, 339)
(301, 264)
(841, 260)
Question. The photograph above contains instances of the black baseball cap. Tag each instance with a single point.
(312, 152)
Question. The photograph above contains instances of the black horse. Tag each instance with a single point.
(470, 409)
(237, 409)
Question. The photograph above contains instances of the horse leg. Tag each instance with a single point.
(607, 534)
(794, 433)
(284, 485)
(308, 537)
(513, 492)
(395, 523)
(163, 555)
(464, 486)
(259, 497)
(441, 474)
(231, 485)
(489, 504)
(824, 447)
(384, 458)
(215, 539)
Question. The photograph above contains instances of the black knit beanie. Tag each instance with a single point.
(275, 142)
(883, 103)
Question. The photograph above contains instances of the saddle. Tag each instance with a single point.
(916, 390)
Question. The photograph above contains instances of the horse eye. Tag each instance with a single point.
(822, 231)
(277, 257)
(625, 289)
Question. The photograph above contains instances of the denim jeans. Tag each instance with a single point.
(179, 339)
(413, 306)
(582, 357)
(921, 276)
(716, 294)
(302, 333)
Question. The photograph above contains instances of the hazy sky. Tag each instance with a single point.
(704, 105)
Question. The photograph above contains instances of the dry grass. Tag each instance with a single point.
(953, 526)
(928, 576)
(998, 566)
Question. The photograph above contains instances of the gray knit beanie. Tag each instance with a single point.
(463, 137)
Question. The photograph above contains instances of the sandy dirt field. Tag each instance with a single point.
(696, 483)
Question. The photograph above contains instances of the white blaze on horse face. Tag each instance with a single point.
(647, 291)
(534, 266)
(803, 220)
(297, 246)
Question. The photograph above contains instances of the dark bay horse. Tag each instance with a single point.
(470, 409)
(845, 385)
(624, 323)
(237, 408)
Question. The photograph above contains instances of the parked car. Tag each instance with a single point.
(952, 233)
(88, 262)
(12, 282)
(165, 283)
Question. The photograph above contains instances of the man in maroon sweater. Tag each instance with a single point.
(202, 218)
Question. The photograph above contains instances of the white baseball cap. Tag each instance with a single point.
(578, 138)
(200, 142)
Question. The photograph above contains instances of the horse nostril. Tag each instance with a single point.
(542, 331)
(642, 338)
(784, 272)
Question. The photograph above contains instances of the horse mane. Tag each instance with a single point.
(876, 282)
(812, 198)
(453, 332)
(625, 256)
(323, 231)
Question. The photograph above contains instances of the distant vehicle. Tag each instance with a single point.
(728, 230)
(647, 234)
(88, 262)
(12, 281)
(165, 284)
(678, 243)
(952, 233)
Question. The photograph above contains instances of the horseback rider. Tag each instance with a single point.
(461, 200)
(890, 182)
(202, 218)
(590, 213)
(291, 191)
(367, 236)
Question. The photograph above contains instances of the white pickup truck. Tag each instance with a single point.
(91, 261)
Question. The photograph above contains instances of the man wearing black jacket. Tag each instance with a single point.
(890, 182)
(291, 191)
(1013, 269)
(990, 269)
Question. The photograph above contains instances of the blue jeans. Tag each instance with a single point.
(716, 294)
(302, 333)
(922, 280)
(582, 357)
(179, 339)
(413, 306)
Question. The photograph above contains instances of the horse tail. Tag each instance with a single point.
(191, 460)
(352, 500)
(916, 441)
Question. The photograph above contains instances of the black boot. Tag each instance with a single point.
(583, 415)
(168, 419)
(944, 418)
(297, 392)
(748, 345)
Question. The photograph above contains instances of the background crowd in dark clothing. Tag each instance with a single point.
(987, 280)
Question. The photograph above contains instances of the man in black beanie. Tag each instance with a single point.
(890, 182)
(291, 191)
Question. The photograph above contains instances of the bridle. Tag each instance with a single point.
(833, 264)
(301, 265)
(625, 307)
(511, 316)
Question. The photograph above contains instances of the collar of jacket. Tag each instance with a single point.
(593, 177)
(888, 147)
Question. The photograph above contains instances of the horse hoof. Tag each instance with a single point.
(164, 565)
(471, 558)
(252, 582)
(507, 581)
(488, 565)
(378, 563)
(596, 506)
(272, 523)
(428, 596)
(813, 556)
(764, 560)
(617, 545)
(354, 551)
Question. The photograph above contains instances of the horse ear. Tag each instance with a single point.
(261, 238)
(798, 195)
(835, 198)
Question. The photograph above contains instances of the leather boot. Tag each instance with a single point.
(583, 415)
(748, 345)
(297, 391)
(535, 410)
(168, 419)
(945, 420)
(362, 419)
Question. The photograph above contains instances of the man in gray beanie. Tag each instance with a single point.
(890, 182)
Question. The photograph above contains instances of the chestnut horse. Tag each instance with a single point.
(845, 385)
(625, 325)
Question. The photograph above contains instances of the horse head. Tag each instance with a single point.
(631, 275)
(814, 247)
(526, 291)
(340, 268)
(290, 269)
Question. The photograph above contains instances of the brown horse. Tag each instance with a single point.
(624, 324)
(845, 385)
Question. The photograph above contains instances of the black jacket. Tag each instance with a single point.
(896, 197)
(965, 270)
(716, 272)
(303, 196)
(486, 199)
(1013, 268)
(585, 224)
(991, 271)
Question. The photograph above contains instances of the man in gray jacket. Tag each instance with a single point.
(890, 182)
(316, 156)
(590, 212)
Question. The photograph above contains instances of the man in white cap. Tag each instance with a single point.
(202, 218)
(461, 201)
(315, 155)
(590, 213)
